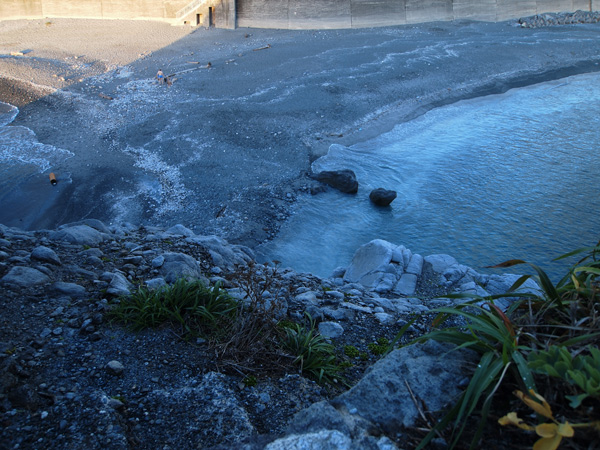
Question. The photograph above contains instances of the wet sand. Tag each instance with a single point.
(226, 149)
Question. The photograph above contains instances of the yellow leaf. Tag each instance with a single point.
(547, 430)
(551, 443)
(512, 419)
(566, 430)
(542, 409)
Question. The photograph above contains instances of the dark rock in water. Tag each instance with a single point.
(342, 180)
(382, 197)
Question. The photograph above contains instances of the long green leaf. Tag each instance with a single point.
(487, 370)
(524, 370)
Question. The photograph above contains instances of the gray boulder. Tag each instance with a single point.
(331, 329)
(78, 234)
(224, 255)
(119, 285)
(94, 223)
(179, 230)
(321, 440)
(372, 266)
(439, 263)
(155, 283)
(45, 254)
(432, 373)
(24, 277)
(342, 180)
(382, 197)
(180, 265)
(218, 414)
(318, 416)
(70, 289)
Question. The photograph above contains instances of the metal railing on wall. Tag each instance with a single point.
(189, 8)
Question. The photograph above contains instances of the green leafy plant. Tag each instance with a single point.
(250, 381)
(489, 332)
(564, 314)
(581, 371)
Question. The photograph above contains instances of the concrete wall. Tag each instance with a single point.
(320, 14)
(291, 14)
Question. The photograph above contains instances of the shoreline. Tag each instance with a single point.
(255, 121)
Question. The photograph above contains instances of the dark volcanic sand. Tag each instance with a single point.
(225, 150)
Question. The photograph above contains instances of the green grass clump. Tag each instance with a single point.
(199, 310)
(240, 334)
(313, 353)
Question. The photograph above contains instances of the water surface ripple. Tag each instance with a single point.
(485, 180)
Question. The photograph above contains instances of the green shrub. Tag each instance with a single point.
(564, 314)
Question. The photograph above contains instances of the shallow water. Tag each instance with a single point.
(484, 180)
(20, 149)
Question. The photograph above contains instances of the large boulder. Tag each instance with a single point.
(432, 370)
(218, 415)
(79, 234)
(343, 180)
(371, 263)
(382, 197)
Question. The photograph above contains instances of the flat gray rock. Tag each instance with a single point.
(72, 290)
(24, 277)
(382, 397)
(78, 234)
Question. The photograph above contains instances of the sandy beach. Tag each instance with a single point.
(226, 148)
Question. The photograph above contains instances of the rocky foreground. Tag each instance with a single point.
(71, 378)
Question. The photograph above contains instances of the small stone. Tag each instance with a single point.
(331, 329)
(382, 197)
(115, 367)
(115, 403)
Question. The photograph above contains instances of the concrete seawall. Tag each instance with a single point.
(290, 14)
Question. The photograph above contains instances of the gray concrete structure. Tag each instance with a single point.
(290, 14)
(218, 13)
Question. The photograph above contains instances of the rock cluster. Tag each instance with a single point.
(550, 19)
(69, 378)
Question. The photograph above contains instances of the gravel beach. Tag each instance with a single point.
(226, 149)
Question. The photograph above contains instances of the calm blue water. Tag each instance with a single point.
(485, 180)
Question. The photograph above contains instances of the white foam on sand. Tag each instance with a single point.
(19, 145)
(172, 193)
